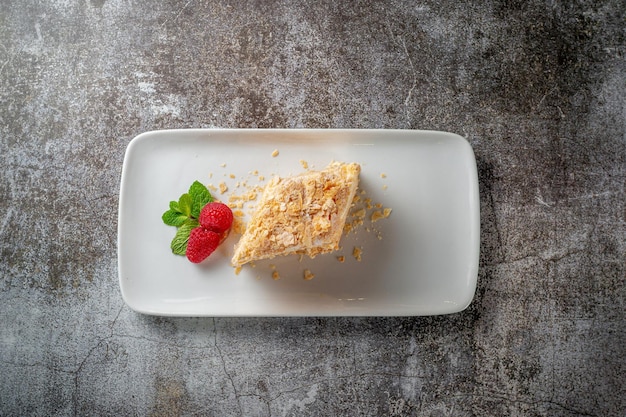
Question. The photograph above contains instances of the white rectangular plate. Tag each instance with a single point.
(421, 260)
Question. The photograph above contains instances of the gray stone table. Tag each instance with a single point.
(538, 88)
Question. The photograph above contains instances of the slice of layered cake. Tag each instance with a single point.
(304, 214)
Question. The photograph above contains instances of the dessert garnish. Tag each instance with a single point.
(201, 223)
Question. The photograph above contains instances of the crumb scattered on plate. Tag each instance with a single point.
(275, 153)
(359, 213)
(377, 215)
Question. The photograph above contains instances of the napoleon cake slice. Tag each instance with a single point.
(303, 214)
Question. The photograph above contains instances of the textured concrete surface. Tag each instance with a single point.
(537, 87)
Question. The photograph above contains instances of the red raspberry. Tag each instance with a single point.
(201, 244)
(216, 217)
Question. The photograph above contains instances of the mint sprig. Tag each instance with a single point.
(184, 214)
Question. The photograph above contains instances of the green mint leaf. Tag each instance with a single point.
(191, 222)
(179, 243)
(174, 206)
(184, 204)
(200, 196)
(174, 218)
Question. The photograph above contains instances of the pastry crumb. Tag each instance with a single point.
(232, 176)
(304, 164)
(223, 165)
(357, 252)
(238, 225)
(385, 187)
(251, 196)
(383, 175)
(308, 275)
(237, 270)
(359, 213)
(275, 275)
(341, 258)
(223, 187)
(377, 215)
(275, 153)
